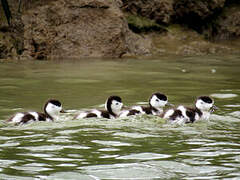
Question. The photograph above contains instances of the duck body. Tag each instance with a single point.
(52, 108)
(156, 103)
(26, 117)
(113, 108)
(129, 112)
(148, 110)
(95, 114)
(203, 107)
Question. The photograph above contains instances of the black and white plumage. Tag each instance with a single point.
(113, 108)
(52, 108)
(156, 103)
(204, 106)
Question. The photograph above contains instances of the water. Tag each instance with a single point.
(142, 147)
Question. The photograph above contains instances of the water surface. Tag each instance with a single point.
(142, 147)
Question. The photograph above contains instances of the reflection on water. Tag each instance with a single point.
(141, 147)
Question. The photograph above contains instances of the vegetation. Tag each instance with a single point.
(142, 24)
(7, 11)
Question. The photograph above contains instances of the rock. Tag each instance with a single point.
(73, 29)
(7, 49)
(183, 41)
(158, 10)
(197, 13)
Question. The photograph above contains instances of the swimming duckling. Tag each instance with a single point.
(52, 108)
(204, 106)
(113, 108)
(156, 103)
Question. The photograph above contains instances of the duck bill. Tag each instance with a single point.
(214, 108)
(169, 104)
(63, 111)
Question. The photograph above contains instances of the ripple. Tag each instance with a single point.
(108, 156)
(231, 105)
(77, 81)
(145, 156)
(111, 143)
(43, 148)
(31, 169)
(67, 175)
(9, 87)
(223, 96)
(60, 159)
(109, 149)
(133, 135)
(235, 114)
(205, 153)
(195, 162)
(204, 177)
(60, 140)
(223, 144)
(9, 177)
(39, 155)
(5, 163)
(10, 144)
(139, 171)
(198, 141)
(67, 132)
(67, 165)
(77, 147)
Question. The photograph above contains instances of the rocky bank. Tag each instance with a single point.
(50, 29)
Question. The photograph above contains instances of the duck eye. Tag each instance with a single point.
(157, 100)
(117, 103)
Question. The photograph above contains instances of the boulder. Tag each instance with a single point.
(73, 29)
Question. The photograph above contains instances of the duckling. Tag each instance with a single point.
(204, 106)
(52, 108)
(113, 108)
(156, 103)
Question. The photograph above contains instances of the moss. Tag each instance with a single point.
(140, 24)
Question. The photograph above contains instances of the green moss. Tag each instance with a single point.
(141, 24)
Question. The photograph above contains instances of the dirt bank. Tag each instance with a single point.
(47, 29)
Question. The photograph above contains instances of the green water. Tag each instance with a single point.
(142, 147)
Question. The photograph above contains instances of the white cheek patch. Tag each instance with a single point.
(157, 103)
(153, 101)
(53, 110)
(203, 106)
(116, 107)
